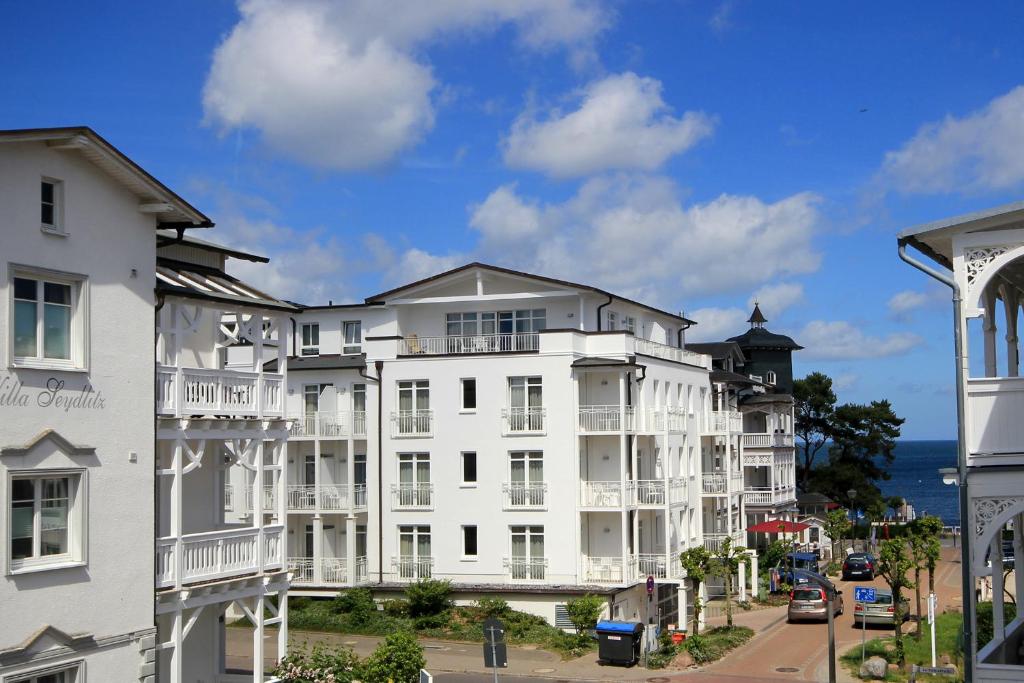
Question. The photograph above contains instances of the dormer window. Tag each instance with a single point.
(310, 339)
(51, 197)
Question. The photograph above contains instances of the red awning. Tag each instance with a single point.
(778, 526)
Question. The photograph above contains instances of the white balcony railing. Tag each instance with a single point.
(333, 571)
(360, 569)
(468, 344)
(359, 496)
(359, 423)
(322, 424)
(601, 494)
(412, 496)
(211, 393)
(676, 420)
(523, 420)
(334, 497)
(301, 497)
(725, 421)
(607, 418)
(649, 492)
(713, 540)
(650, 348)
(269, 499)
(763, 495)
(652, 564)
(217, 555)
(229, 498)
(301, 569)
(524, 496)
(412, 568)
(677, 491)
(768, 440)
(412, 423)
(607, 570)
(715, 483)
(526, 568)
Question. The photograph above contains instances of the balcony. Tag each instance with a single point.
(601, 494)
(526, 568)
(456, 345)
(713, 540)
(652, 564)
(217, 555)
(766, 496)
(358, 423)
(724, 422)
(607, 570)
(190, 392)
(767, 440)
(412, 496)
(607, 419)
(715, 483)
(320, 424)
(995, 431)
(333, 571)
(413, 567)
(648, 492)
(301, 497)
(411, 424)
(269, 499)
(525, 496)
(650, 348)
(523, 421)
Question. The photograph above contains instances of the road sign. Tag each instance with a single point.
(650, 585)
(864, 594)
(495, 650)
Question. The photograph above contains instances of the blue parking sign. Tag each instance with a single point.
(863, 594)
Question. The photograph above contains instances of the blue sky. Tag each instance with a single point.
(693, 154)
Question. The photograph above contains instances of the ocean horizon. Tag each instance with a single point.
(915, 477)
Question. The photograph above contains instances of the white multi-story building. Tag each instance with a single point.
(512, 433)
(118, 558)
(981, 257)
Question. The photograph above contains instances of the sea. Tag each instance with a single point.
(914, 477)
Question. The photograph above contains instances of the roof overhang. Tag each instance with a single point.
(191, 281)
(166, 238)
(171, 210)
(935, 239)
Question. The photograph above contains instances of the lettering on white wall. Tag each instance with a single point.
(14, 394)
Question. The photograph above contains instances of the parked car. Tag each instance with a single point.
(798, 562)
(881, 611)
(809, 600)
(859, 566)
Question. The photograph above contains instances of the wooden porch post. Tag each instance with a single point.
(989, 327)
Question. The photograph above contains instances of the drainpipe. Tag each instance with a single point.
(379, 367)
(294, 339)
(160, 300)
(610, 298)
(961, 454)
(682, 328)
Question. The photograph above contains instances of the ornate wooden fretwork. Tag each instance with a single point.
(979, 258)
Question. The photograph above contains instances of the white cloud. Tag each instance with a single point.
(346, 85)
(977, 152)
(902, 305)
(716, 324)
(633, 236)
(840, 340)
(721, 20)
(776, 298)
(622, 123)
(846, 380)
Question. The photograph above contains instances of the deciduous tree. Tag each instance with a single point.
(696, 562)
(893, 565)
(726, 564)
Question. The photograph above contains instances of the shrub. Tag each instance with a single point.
(320, 665)
(984, 616)
(493, 607)
(396, 608)
(429, 597)
(700, 649)
(398, 659)
(426, 622)
(357, 604)
(585, 611)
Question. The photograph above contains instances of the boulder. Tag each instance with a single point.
(874, 668)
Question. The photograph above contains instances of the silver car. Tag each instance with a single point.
(807, 602)
(881, 611)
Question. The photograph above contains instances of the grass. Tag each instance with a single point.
(947, 628)
(705, 648)
(457, 623)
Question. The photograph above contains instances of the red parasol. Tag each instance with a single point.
(778, 526)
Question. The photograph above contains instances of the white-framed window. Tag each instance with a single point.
(414, 551)
(414, 469)
(314, 396)
(47, 519)
(63, 673)
(527, 552)
(353, 330)
(769, 377)
(48, 328)
(414, 395)
(469, 542)
(469, 468)
(51, 205)
(468, 404)
(613, 320)
(629, 323)
(310, 339)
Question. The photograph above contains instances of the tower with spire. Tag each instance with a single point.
(767, 352)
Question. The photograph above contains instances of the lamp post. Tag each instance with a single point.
(852, 495)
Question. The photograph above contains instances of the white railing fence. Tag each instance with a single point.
(524, 495)
(523, 420)
(714, 483)
(412, 495)
(411, 567)
(526, 568)
(601, 494)
(412, 422)
(217, 554)
(607, 418)
(469, 344)
(605, 570)
(203, 391)
(650, 348)
(767, 440)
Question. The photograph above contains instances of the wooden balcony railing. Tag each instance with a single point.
(725, 421)
(768, 440)
(184, 392)
(217, 555)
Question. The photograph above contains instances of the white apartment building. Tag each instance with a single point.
(117, 555)
(981, 257)
(515, 434)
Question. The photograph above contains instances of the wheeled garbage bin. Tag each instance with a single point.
(618, 642)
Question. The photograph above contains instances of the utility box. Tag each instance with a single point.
(618, 642)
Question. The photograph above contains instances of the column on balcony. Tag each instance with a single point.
(623, 453)
(318, 548)
(350, 548)
(1011, 307)
(989, 330)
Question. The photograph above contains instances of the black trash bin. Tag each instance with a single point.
(618, 642)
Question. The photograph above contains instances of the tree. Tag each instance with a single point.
(837, 524)
(696, 562)
(814, 404)
(398, 660)
(726, 564)
(584, 611)
(930, 527)
(924, 546)
(893, 565)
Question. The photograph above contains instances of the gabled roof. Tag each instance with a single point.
(379, 298)
(171, 210)
(192, 281)
(44, 639)
(53, 437)
(166, 238)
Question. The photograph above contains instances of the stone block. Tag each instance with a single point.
(874, 668)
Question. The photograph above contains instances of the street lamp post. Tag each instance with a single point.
(852, 495)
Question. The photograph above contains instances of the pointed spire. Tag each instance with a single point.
(757, 318)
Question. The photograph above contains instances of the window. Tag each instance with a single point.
(51, 205)
(310, 339)
(613, 319)
(469, 394)
(59, 674)
(527, 545)
(629, 323)
(48, 321)
(353, 336)
(526, 404)
(469, 468)
(468, 324)
(469, 542)
(46, 518)
(526, 479)
(414, 561)
(414, 395)
(413, 480)
(770, 377)
(315, 397)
